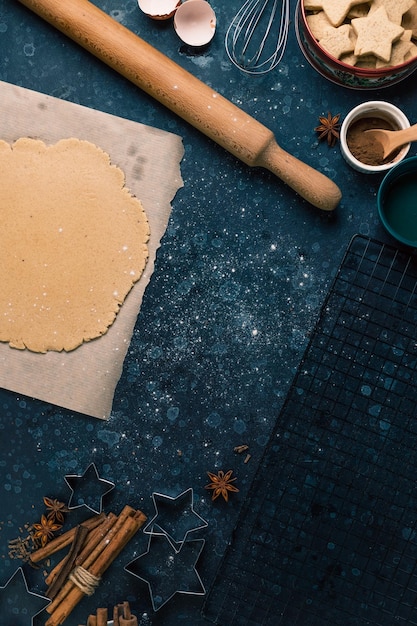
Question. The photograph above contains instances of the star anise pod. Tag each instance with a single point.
(55, 509)
(329, 128)
(45, 529)
(221, 484)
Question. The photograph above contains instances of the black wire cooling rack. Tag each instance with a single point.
(328, 534)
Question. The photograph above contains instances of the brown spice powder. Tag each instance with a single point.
(364, 149)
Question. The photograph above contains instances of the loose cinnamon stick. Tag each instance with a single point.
(92, 620)
(122, 615)
(127, 614)
(127, 619)
(116, 614)
(114, 545)
(101, 617)
(131, 621)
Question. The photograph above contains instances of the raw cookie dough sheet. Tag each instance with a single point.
(85, 380)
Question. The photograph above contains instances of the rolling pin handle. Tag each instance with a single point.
(309, 183)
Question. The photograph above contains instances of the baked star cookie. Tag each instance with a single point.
(410, 20)
(335, 10)
(319, 24)
(338, 41)
(412, 53)
(395, 8)
(376, 35)
(400, 50)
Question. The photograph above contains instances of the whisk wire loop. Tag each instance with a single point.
(257, 36)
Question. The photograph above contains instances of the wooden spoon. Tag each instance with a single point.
(392, 139)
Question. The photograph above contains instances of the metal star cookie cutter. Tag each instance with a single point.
(168, 571)
(174, 517)
(18, 605)
(88, 489)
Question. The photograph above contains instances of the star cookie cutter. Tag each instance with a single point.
(88, 489)
(168, 571)
(18, 605)
(174, 518)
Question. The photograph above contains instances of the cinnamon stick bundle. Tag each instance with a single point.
(92, 548)
(94, 564)
(95, 534)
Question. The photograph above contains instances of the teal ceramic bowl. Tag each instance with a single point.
(397, 202)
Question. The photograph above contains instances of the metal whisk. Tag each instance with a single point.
(256, 38)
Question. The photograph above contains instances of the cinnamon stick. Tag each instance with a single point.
(63, 540)
(127, 619)
(116, 614)
(55, 571)
(101, 617)
(113, 544)
(122, 615)
(130, 621)
(76, 546)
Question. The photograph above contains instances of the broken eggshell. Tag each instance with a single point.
(195, 22)
(159, 9)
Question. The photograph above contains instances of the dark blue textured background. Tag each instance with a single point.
(242, 271)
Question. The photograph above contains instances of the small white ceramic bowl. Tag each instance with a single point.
(379, 109)
(195, 22)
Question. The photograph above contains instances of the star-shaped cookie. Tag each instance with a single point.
(376, 34)
(412, 53)
(410, 20)
(399, 52)
(335, 10)
(319, 24)
(395, 8)
(338, 41)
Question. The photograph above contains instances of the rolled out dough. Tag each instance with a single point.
(74, 241)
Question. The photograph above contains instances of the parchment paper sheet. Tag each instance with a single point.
(85, 379)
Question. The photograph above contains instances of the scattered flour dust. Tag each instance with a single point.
(73, 243)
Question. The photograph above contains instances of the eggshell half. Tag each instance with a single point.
(159, 9)
(195, 22)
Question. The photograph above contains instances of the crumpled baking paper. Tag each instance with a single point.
(85, 379)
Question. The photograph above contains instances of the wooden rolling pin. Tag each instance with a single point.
(194, 101)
